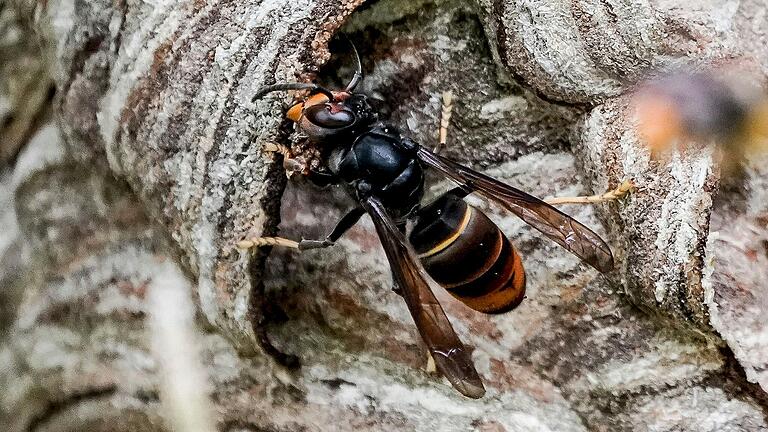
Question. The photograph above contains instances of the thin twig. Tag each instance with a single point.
(445, 120)
(267, 241)
(622, 190)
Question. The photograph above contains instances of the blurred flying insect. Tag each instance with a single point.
(690, 110)
(451, 242)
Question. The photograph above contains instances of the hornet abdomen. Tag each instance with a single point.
(467, 254)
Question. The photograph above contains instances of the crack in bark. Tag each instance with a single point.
(55, 407)
(745, 390)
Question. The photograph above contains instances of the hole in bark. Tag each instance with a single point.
(412, 53)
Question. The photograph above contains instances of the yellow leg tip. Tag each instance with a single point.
(244, 244)
(431, 366)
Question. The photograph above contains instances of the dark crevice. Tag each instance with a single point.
(405, 93)
(38, 119)
(122, 5)
(270, 204)
(55, 407)
(90, 47)
(147, 395)
(8, 119)
(336, 383)
(240, 425)
(732, 380)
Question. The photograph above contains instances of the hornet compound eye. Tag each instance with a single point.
(328, 116)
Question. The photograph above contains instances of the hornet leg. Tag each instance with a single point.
(431, 368)
(445, 120)
(621, 191)
(346, 222)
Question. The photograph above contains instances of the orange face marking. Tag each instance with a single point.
(316, 99)
(297, 110)
(294, 113)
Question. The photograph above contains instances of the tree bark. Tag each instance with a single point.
(152, 170)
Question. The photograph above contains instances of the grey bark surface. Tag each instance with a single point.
(151, 170)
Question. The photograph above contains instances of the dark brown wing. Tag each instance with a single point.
(451, 358)
(563, 229)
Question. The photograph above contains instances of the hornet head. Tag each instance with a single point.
(326, 114)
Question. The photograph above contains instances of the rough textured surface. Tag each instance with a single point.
(737, 248)
(162, 94)
(26, 87)
(598, 49)
(573, 337)
(584, 51)
(159, 172)
(663, 227)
